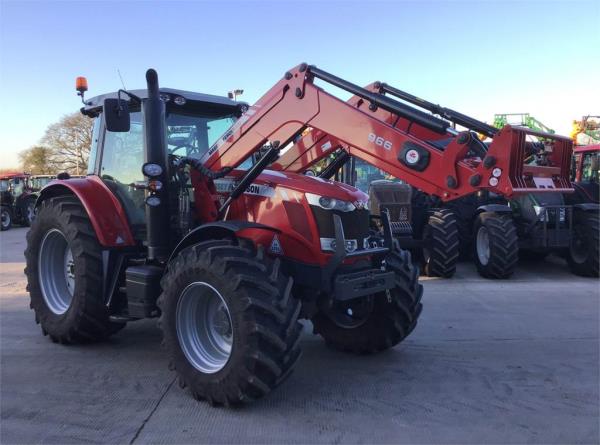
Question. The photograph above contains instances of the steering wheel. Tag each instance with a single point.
(188, 143)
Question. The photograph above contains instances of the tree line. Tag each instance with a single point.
(65, 147)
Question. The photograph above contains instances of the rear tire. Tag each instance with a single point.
(441, 244)
(257, 338)
(388, 317)
(495, 245)
(64, 274)
(583, 255)
(6, 218)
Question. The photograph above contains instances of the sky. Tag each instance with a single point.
(477, 57)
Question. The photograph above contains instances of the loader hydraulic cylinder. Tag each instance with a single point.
(393, 106)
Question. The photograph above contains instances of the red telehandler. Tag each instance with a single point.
(179, 218)
(435, 234)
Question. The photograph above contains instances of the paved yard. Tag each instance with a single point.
(491, 361)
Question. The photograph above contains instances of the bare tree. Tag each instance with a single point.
(37, 160)
(69, 141)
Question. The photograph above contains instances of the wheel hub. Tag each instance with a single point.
(483, 245)
(221, 322)
(56, 271)
(351, 314)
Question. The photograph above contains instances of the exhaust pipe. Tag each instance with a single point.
(155, 152)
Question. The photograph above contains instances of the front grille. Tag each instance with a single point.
(355, 223)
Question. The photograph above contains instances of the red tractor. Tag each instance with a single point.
(179, 218)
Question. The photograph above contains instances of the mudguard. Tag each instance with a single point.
(216, 230)
(105, 211)
(497, 208)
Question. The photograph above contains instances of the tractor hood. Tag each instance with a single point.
(312, 184)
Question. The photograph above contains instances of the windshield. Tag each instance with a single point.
(590, 166)
(3, 185)
(38, 183)
(189, 135)
(367, 173)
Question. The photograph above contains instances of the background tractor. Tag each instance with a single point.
(552, 222)
(12, 187)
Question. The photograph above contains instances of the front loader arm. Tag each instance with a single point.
(508, 148)
(296, 104)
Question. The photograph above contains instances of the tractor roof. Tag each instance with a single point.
(191, 98)
(12, 175)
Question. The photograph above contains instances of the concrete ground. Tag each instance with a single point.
(491, 362)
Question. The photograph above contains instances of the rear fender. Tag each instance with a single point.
(217, 230)
(105, 211)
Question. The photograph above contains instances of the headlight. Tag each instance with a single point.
(328, 245)
(330, 203)
(152, 170)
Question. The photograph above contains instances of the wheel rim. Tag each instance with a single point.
(56, 270)
(30, 212)
(483, 245)
(204, 327)
(5, 218)
(351, 314)
(579, 247)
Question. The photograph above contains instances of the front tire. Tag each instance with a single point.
(377, 322)
(583, 256)
(6, 221)
(441, 244)
(64, 274)
(246, 343)
(495, 245)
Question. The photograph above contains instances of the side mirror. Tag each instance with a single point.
(116, 115)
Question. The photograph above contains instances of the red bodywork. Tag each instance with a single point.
(278, 200)
(508, 148)
(104, 209)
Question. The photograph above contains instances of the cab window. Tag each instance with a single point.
(589, 168)
(94, 148)
(122, 160)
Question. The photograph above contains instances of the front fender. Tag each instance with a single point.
(216, 230)
(105, 211)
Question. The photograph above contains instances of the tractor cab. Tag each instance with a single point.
(193, 122)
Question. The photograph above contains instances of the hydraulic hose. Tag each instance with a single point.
(200, 167)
